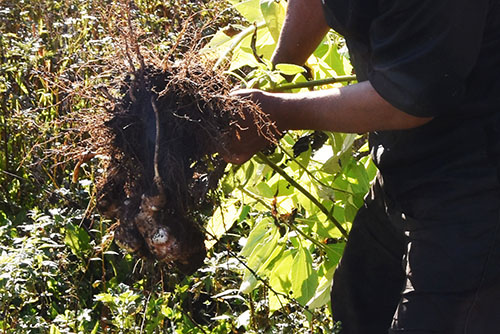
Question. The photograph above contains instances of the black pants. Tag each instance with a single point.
(437, 272)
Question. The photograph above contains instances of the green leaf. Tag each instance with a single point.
(334, 59)
(269, 262)
(334, 252)
(332, 165)
(54, 330)
(322, 294)
(325, 229)
(263, 250)
(77, 239)
(105, 298)
(260, 255)
(259, 232)
(250, 167)
(222, 220)
(279, 280)
(96, 327)
(281, 187)
(243, 56)
(263, 189)
(219, 42)
(243, 213)
(290, 69)
(324, 192)
(248, 283)
(273, 12)
(304, 278)
(349, 139)
(248, 9)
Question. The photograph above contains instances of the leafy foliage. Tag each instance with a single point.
(298, 203)
(272, 248)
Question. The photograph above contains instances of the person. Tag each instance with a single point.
(423, 254)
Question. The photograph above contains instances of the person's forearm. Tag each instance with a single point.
(303, 29)
(356, 109)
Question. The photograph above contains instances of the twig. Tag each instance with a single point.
(305, 236)
(180, 35)
(134, 38)
(13, 175)
(144, 315)
(303, 191)
(253, 45)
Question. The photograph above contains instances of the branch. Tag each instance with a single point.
(303, 191)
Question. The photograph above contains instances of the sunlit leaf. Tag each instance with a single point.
(273, 12)
(256, 235)
(259, 256)
(322, 294)
(290, 69)
(77, 239)
(280, 280)
(221, 221)
(248, 9)
(303, 277)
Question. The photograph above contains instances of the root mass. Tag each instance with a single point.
(161, 180)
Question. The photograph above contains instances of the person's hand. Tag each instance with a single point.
(246, 138)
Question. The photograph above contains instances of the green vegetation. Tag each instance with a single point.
(275, 240)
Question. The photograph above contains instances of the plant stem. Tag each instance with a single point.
(303, 191)
(308, 172)
(305, 236)
(289, 224)
(255, 197)
(313, 83)
(237, 40)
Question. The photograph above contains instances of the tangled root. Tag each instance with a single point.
(164, 167)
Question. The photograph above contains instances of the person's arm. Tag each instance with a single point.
(353, 109)
(357, 108)
(303, 29)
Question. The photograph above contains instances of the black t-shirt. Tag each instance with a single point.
(437, 58)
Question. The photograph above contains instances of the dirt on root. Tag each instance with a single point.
(163, 139)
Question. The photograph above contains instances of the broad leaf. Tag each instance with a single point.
(247, 9)
(322, 294)
(77, 239)
(304, 278)
(279, 280)
(258, 233)
(222, 220)
(290, 69)
(274, 13)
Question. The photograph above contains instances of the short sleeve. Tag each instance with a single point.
(423, 51)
